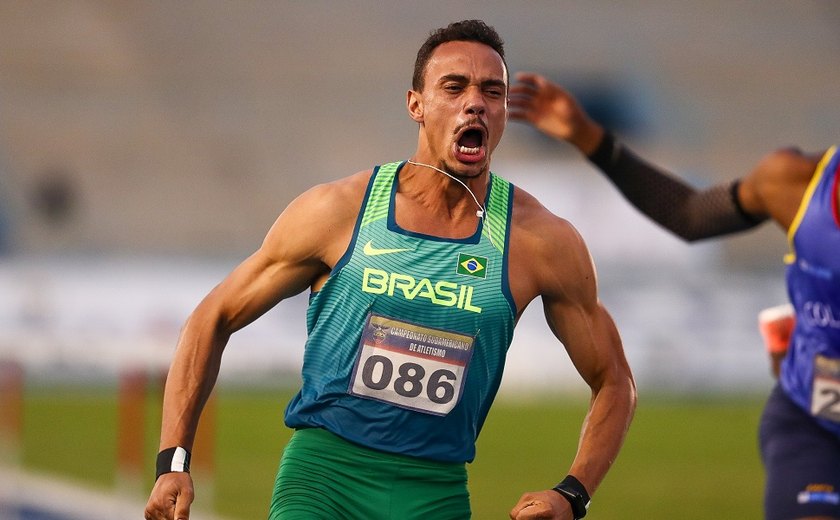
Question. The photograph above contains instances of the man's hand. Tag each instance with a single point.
(776, 325)
(552, 110)
(542, 505)
(171, 497)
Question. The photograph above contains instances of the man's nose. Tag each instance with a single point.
(474, 102)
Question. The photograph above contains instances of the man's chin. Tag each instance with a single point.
(467, 171)
(470, 175)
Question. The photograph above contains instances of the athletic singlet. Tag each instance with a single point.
(407, 337)
(810, 373)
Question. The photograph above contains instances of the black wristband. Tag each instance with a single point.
(605, 155)
(572, 490)
(736, 201)
(173, 460)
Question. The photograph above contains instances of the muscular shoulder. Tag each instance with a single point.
(789, 164)
(548, 257)
(332, 201)
(319, 222)
(777, 183)
(532, 221)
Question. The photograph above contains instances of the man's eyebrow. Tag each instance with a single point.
(493, 83)
(460, 78)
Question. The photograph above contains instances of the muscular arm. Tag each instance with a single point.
(564, 276)
(288, 261)
(689, 213)
(255, 286)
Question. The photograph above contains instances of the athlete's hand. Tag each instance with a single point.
(542, 505)
(171, 497)
(552, 110)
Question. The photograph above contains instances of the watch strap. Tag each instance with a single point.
(573, 490)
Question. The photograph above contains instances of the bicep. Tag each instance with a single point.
(589, 335)
(288, 262)
(255, 286)
(575, 314)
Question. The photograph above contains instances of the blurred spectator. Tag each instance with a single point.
(54, 196)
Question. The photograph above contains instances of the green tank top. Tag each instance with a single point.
(407, 338)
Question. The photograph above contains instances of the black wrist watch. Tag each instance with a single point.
(572, 490)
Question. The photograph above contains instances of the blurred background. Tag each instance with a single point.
(147, 147)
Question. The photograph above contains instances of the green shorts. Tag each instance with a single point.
(322, 476)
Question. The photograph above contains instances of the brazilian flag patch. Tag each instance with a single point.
(471, 265)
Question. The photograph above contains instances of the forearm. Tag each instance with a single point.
(189, 383)
(667, 200)
(603, 432)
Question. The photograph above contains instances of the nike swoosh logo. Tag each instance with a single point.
(369, 250)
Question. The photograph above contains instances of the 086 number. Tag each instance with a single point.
(439, 387)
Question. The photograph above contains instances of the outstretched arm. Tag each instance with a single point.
(565, 276)
(666, 199)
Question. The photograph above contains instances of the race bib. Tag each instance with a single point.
(825, 396)
(411, 366)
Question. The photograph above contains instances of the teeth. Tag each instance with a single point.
(469, 151)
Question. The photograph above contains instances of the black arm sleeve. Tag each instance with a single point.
(688, 213)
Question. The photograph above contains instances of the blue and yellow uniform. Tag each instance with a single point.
(810, 373)
(800, 430)
(407, 338)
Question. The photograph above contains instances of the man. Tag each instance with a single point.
(418, 272)
(800, 427)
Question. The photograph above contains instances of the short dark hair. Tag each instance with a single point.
(465, 30)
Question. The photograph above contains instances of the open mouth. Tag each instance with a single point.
(471, 141)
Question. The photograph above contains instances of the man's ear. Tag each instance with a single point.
(414, 104)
